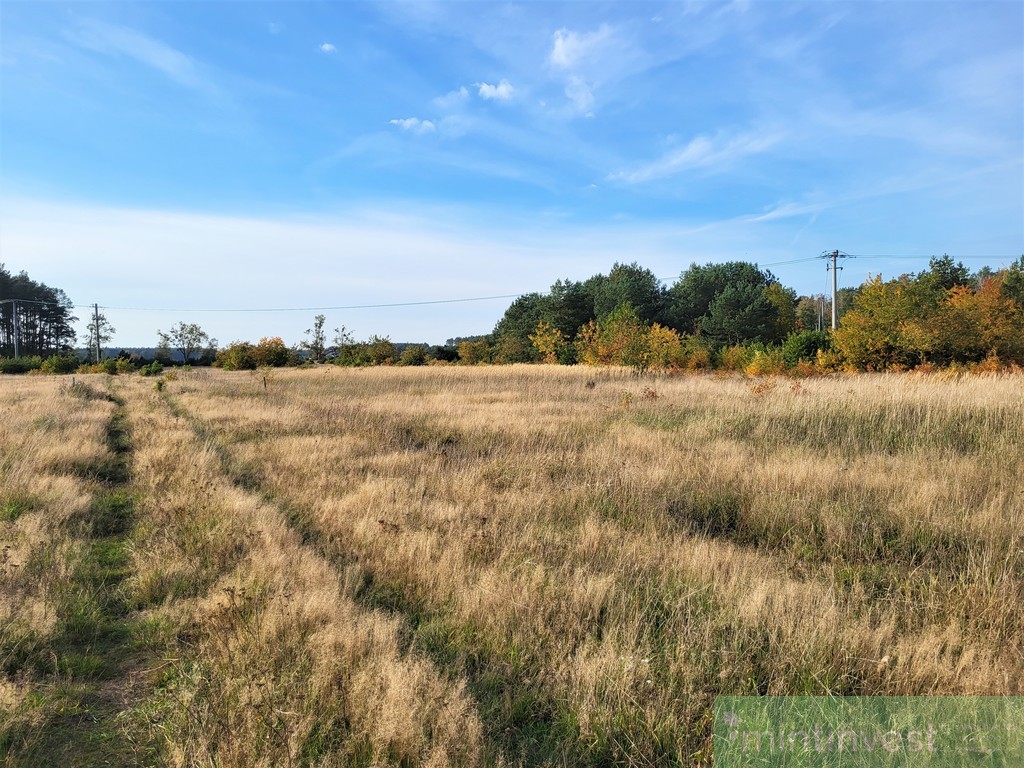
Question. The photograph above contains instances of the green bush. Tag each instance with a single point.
(60, 364)
(239, 356)
(154, 368)
(20, 364)
(804, 345)
(414, 354)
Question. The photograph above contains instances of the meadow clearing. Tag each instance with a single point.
(476, 566)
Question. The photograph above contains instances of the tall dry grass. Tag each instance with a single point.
(52, 448)
(521, 565)
(598, 555)
(268, 661)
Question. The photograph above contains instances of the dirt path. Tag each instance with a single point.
(90, 662)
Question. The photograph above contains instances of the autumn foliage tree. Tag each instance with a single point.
(941, 316)
(548, 341)
(877, 333)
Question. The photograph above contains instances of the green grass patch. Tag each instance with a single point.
(69, 718)
(897, 429)
(14, 506)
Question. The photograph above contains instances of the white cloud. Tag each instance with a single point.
(328, 48)
(117, 40)
(584, 60)
(501, 92)
(700, 152)
(570, 49)
(452, 98)
(579, 93)
(414, 125)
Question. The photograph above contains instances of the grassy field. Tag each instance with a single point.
(490, 566)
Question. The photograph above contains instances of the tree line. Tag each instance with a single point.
(734, 316)
(40, 315)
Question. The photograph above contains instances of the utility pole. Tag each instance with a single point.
(834, 266)
(96, 328)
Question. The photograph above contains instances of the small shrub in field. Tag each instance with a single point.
(20, 364)
(804, 346)
(664, 347)
(735, 358)
(698, 354)
(763, 388)
(473, 352)
(154, 368)
(271, 352)
(828, 360)
(60, 364)
(991, 364)
(238, 356)
(111, 366)
(83, 391)
(767, 362)
(414, 354)
(803, 369)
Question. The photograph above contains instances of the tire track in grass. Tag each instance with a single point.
(341, 681)
(88, 659)
(521, 720)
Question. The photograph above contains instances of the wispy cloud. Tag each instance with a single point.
(414, 125)
(701, 152)
(115, 40)
(581, 60)
(569, 49)
(327, 48)
(579, 93)
(452, 99)
(503, 91)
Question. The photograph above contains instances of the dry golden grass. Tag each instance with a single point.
(52, 438)
(546, 565)
(597, 562)
(272, 662)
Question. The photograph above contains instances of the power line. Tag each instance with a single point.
(44, 303)
(314, 309)
(932, 256)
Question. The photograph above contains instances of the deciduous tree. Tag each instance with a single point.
(548, 342)
(187, 338)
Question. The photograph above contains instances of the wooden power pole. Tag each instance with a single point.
(96, 328)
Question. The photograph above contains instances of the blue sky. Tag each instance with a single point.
(190, 155)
